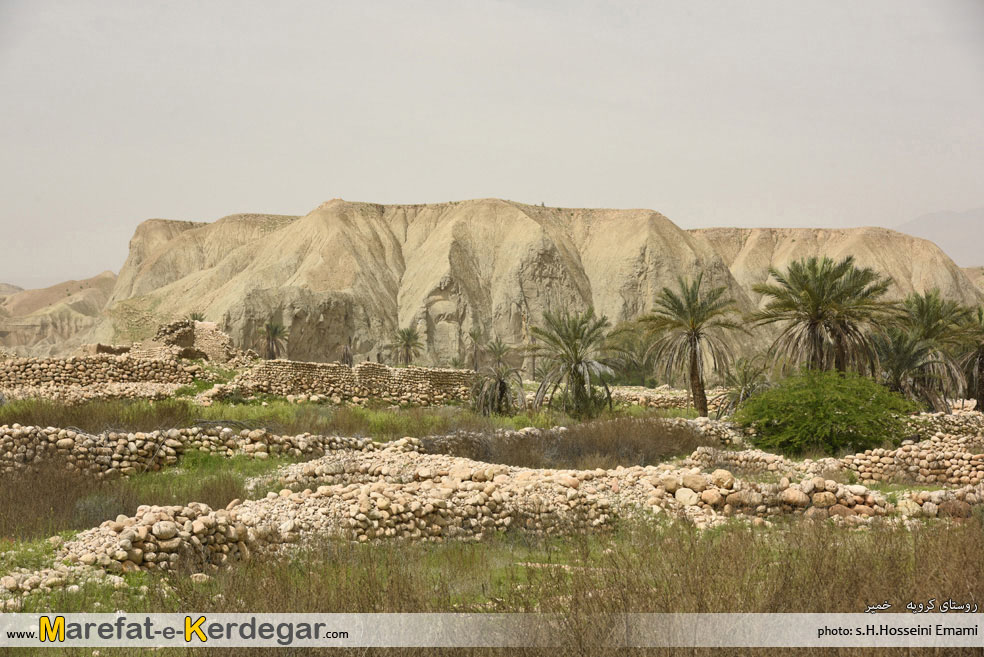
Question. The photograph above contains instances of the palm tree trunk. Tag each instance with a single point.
(840, 358)
(697, 383)
(980, 384)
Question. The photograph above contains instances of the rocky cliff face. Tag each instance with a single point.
(357, 271)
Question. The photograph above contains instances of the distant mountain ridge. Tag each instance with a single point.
(959, 234)
(354, 272)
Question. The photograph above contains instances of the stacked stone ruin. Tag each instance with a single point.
(338, 382)
(82, 378)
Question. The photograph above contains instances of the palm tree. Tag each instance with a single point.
(632, 352)
(934, 319)
(407, 344)
(477, 337)
(274, 339)
(688, 325)
(939, 323)
(499, 390)
(910, 366)
(972, 359)
(829, 310)
(570, 347)
(196, 317)
(745, 378)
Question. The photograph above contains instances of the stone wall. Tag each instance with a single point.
(113, 454)
(952, 458)
(338, 382)
(91, 370)
(663, 397)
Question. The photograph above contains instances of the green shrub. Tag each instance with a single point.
(825, 412)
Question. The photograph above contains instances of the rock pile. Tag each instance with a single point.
(94, 370)
(337, 382)
(756, 460)
(943, 459)
(956, 503)
(160, 537)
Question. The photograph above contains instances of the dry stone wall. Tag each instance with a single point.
(662, 397)
(338, 382)
(951, 459)
(113, 454)
(93, 370)
(84, 378)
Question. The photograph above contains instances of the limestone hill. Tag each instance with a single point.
(51, 320)
(357, 271)
(913, 264)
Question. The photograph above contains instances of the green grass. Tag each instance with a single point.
(32, 554)
(197, 386)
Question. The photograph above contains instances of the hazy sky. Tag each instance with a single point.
(826, 113)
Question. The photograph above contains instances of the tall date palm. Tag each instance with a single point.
(691, 326)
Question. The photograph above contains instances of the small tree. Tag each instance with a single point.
(911, 367)
(571, 346)
(829, 412)
(196, 317)
(746, 377)
(407, 344)
(274, 340)
(347, 357)
(632, 351)
(499, 389)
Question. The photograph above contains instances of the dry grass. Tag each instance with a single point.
(277, 416)
(643, 567)
(599, 444)
(50, 499)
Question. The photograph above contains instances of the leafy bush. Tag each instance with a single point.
(827, 412)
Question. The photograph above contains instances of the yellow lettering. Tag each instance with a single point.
(51, 632)
(194, 628)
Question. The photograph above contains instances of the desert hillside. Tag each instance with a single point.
(960, 234)
(912, 263)
(7, 289)
(357, 271)
(976, 276)
(53, 319)
(360, 270)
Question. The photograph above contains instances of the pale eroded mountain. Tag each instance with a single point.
(53, 319)
(913, 264)
(357, 271)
